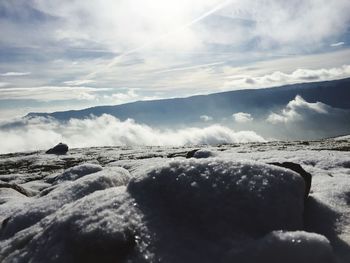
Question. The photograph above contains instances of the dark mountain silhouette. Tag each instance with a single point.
(259, 102)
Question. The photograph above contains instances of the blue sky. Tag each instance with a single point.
(57, 55)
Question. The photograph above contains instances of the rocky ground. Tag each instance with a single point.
(151, 204)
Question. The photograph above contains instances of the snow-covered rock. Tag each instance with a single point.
(231, 207)
(77, 172)
(203, 153)
(291, 247)
(96, 228)
(229, 196)
(32, 212)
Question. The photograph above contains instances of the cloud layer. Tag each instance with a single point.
(42, 133)
(278, 78)
(303, 119)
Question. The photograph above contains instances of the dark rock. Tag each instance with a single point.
(190, 154)
(59, 149)
(95, 248)
(298, 169)
(4, 222)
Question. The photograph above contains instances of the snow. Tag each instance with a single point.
(153, 205)
(8, 195)
(77, 171)
(297, 246)
(57, 197)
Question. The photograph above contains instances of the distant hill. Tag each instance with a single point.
(218, 105)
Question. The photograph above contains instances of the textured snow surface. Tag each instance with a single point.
(153, 205)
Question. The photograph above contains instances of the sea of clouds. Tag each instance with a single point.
(42, 133)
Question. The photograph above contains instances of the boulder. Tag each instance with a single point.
(191, 153)
(298, 169)
(59, 149)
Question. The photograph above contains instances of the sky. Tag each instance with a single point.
(61, 55)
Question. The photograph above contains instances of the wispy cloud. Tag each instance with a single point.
(187, 68)
(79, 82)
(50, 93)
(278, 78)
(180, 48)
(14, 74)
(338, 44)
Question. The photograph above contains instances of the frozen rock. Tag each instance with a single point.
(230, 197)
(59, 149)
(97, 228)
(9, 194)
(78, 171)
(203, 153)
(63, 194)
(191, 153)
(291, 247)
(298, 169)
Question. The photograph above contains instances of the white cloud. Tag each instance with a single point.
(42, 133)
(50, 93)
(316, 114)
(180, 47)
(124, 97)
(14, 74)
(137, 28)
(206, 118)
(79, 82)
(338, 44)
(300, 119)
(130, 95)
(297, 110)
(278, 78)
(242, 117)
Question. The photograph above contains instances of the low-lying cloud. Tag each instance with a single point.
(242, 117)
(299, 109)
(206, 118)
(106, 130)
(310, 119)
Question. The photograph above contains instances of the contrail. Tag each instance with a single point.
(190, 67)
(194, 21)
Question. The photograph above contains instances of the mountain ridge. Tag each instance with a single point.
(335, 93)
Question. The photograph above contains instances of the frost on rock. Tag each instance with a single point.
(96, 228)
(230, 197)
(206, 206)
(77, 172)
(9, 194)
(63, 194)
(186, 210)
(291, 247)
